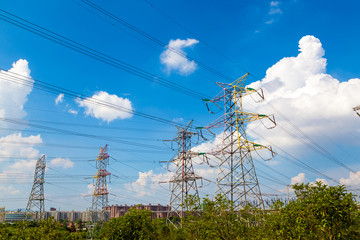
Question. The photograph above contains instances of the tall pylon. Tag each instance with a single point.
(237, 179)
(100, 194)
(183, 184)
(36, 199)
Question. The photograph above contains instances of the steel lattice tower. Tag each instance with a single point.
(183, 184)
(100, 195)
(36, 199)
(237, 179)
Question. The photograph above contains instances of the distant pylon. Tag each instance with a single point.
(183, 183)
(36, 199)
(100, 195)
(237, 179)
(357, 110)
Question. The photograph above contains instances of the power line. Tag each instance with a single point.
(311, 144)
(152, 38)
(28, 81)
(117, 63)
(19, 122)
(195, 35)
(296, 160)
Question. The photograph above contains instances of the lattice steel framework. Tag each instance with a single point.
(36, 199)
(237, 179)
(100, 195)
(183, 184)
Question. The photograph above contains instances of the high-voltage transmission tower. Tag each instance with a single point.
(36, 199)
(100, 195)
(183, 184)
(357, 110)
(236, 179)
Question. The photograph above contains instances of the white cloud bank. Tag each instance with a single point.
(13, 96)
(352, 180)
(17, 152)
(300, 178)
(148, 183)
(311, 99)
(17, 146)
(174, 57)
(62, 162)
(104, 113)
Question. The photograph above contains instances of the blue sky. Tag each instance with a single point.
(312, 90)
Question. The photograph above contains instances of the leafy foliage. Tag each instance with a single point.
(135, 224)
(319, 212)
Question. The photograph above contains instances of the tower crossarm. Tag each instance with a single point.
(246, 117)
(357, 110)
(242, 117)
(251, 146)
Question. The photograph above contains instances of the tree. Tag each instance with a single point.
(217, 219)
(135, 224)
(319, 212)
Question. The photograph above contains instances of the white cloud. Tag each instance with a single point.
(91, 188)
(353, 180)
(59, 99)
(300, 178)
(20, 150)
(311, 99)
(322, 180)
(210, 146)
(62, 162)
(178, 120)
(178, 62)
(270, 21)
(148, 183)
(13, 95)
(6, 190)
(275, 8)
(17, 146)
(23, 166)
(17, 153)
(72, 111)
(105, 113)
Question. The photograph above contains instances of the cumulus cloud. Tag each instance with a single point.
(300, 178)
(23, 166)
(21, 153)
(6, 190)
(13, 96)
(322, 180)
(18, 155)
(148, 183)
(62, 162)
(59, 99)
(90, 188)
(352, 180)
(174, 57)
(300, 89)
(104, 113)
(15, 145)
